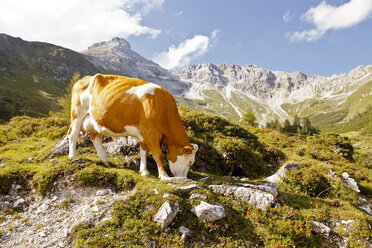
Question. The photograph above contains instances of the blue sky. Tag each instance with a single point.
(315, 37)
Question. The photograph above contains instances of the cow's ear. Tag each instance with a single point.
(187, 150)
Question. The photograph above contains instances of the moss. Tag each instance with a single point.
(66, 202)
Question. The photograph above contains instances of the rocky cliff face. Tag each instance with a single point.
(271, 93)
(116, 56)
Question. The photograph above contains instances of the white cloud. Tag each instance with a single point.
(145, 5)
(75, 24)
(287, 16)
(185, 52)
(178, 13)
(327, 17)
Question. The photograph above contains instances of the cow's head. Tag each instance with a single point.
(184, 161)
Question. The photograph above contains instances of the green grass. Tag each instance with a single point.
(300, 199)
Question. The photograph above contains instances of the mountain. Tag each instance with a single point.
(229, 90)
(116, 56)
(34, 74)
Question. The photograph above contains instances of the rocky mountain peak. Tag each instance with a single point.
(116, 42)
(117, 57)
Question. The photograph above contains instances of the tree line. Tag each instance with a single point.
(300, 126)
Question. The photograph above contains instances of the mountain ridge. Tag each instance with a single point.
(271, 91)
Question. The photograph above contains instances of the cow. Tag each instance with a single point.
(119, 106)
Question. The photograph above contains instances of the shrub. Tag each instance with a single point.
(309, 181)
(227, 148)
(326, 145)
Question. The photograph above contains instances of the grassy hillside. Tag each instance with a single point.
(34, 74)
(332, 114)
(225, 149)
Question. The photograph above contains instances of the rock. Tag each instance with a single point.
(165, 195)
(209, 212)
(122, 146)
(42, 234)
(328, 233)
(60, 149)
(43, 208)
(148, 208)
(155, 191)
(365, 205)
(102, 192)
(277, 177)
(186, 189)
(204, 179)
(184, 230)
(321, 228)
(18, 203)
(350, 181)
(331, 174)
(260, 196)
(61, 244)
(194, 196)
(185, 233)
(18, 187)
(95, 209)
(2, 164)
(178, 180)
(166, 213)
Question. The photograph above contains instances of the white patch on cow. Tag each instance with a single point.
(134, 132)
(144, 89)
(183, 163)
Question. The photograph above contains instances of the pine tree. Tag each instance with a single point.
(287, 128)
(250, 118)
(296, 126)
(277, 125)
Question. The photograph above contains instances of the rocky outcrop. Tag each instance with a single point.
(350, 182)
(186, 189)
(260, 196)
(328, 233)
(125, 146)
(60, 149)
(278, 176)
(122, 146)
(48, 221)
(166, 213)
(209, 212)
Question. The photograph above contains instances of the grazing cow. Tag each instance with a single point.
(119, 106)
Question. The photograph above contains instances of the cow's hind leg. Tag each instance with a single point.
(73, 136)
(143, 166)
(97, 142)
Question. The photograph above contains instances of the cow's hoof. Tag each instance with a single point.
(145, 174)
(165, 178)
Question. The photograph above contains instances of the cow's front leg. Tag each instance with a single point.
(73, 136)
(97, 142)
(158, 156)
(143, 166)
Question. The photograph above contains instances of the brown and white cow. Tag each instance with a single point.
(119, 106)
